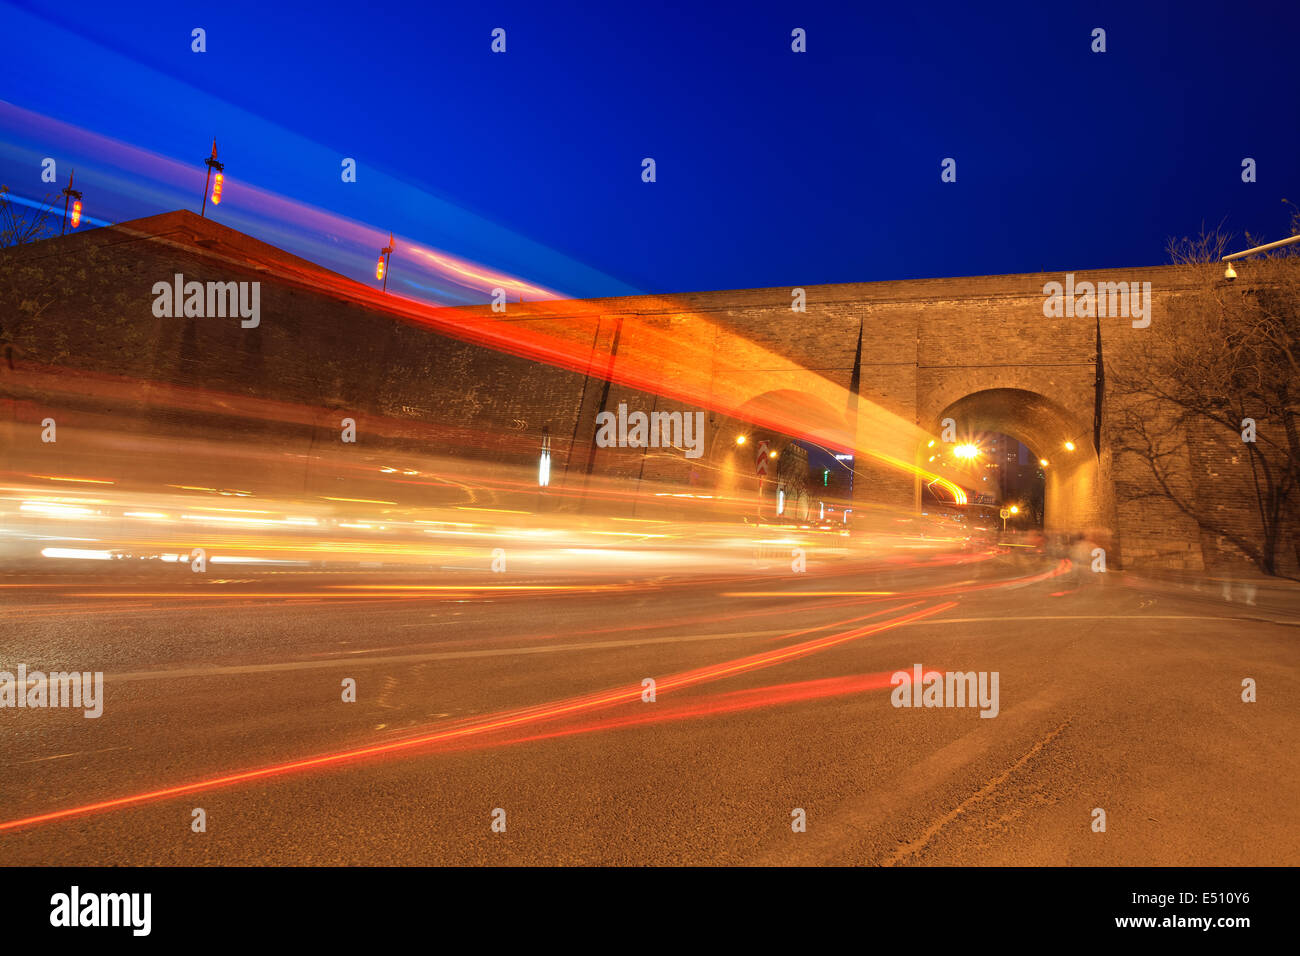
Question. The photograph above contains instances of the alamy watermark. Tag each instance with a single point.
(36, 689)
(1103, 300)
(657, 430)
(75, 908)
(208, 300)
(950, 689)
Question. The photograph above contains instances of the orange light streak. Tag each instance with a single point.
(84, 481)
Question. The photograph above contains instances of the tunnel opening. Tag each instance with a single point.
(779, 477)
(1009, 475)
(1025, 456)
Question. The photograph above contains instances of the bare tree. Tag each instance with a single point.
(19, 225)
(1225, 374)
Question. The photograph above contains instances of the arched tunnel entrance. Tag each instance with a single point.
(995, 422)
(766, 471)
(1060, 447)
(1008, 475)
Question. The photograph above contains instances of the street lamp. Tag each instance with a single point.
(544, 465)
(740, 439)
(218, 168)
(70, 193)
(381, 267)
(1231, 273)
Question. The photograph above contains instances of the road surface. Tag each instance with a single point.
(523, 692)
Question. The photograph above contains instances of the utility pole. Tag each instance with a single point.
(71, 194)
(381, 267)
(212, 164)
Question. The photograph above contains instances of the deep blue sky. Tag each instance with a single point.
(774, 168)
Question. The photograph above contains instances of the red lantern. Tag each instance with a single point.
(216, 189)
(76, 213)
(379, 268)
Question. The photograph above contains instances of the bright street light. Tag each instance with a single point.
(385, 256)
(75, 195)
(1231, 273)
(213, 167)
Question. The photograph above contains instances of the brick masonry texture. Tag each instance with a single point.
(977, 349)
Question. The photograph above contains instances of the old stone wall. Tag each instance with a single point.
(977, 349)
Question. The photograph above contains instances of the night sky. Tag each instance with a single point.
(774, 168)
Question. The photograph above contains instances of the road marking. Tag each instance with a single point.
(352, 659)
(223, 670)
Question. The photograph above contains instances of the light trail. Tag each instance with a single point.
(710, 367)
(806, 594)
(713, 705)
(1061, 567)
(580, 588)
(314, 233)
(501, 721)
(84, 481)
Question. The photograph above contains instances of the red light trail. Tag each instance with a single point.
(502, 721)
(652, 357)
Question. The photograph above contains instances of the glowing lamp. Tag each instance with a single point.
(76, 213)
(379, 268)
(217, 182)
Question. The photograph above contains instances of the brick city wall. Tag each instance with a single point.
(977, 349)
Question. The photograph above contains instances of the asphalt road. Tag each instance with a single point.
(228, 695)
